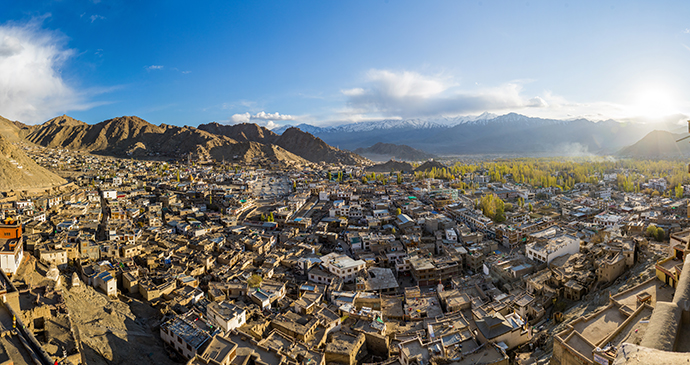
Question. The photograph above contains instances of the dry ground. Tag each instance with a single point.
(108, 330)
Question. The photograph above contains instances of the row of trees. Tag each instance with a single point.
(564, 174)
(377, 177)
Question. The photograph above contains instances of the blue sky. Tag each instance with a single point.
(331, 62)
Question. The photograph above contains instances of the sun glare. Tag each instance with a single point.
(654, 102)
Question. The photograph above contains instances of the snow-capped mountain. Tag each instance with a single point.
(488, 133)
(442, 122)
(303, 127)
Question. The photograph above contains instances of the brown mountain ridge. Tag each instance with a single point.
(133, 136)
(293, 139)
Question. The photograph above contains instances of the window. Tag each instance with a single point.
(189, 347)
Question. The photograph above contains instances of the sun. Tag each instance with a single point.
(654, 102)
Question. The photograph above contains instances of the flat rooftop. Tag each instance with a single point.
(601, 324)
(654, 287)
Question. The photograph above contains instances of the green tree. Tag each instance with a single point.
(398, 212)
(660, 235)
(263, 217)
(679, 191)
(364, 180)
(530, 207)
(400, 179)
(254, 281)
(329, 176)
(270, 217)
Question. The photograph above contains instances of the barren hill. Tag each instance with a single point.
(243, 132)
(383, 151)
(294, 140)
(657, 144)
(19, 172)
(391, 166)
(14, 131)
(429, 165)
(314, 149)
(135, 136)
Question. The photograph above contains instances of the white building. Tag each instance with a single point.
(11, 246)
(607, 220)
(106, 282)
(184, 336)
(657, 184)
(605, 194)
(11, 255)
(109, 194)
(323, 196)
(226, 316)
(451, 235)
(342, 266)
(555, 247)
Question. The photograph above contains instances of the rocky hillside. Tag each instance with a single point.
(391, 166)
(244, 132)
(314, 149)
(430, 165)
(294, 140)
(658, 144)
(14, 131)
(385, 151)
(19, 172)
(134, 136)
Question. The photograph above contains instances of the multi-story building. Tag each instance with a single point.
(607, 220)
(11, 245)
(546, 251)
(185, 335)
(342, 266)
(431, 271)
(226, 315)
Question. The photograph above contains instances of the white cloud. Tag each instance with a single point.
(31, 87)
(96, 17)
(409, 94)
(241, 118)
(153, 67)
(271, 125)
(263, 116)
(391, 95)
(537, 102)
(272, 116)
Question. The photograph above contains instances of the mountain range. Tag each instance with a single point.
(299, 142)
(133, 136)
(492, 134)
(509, 134)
